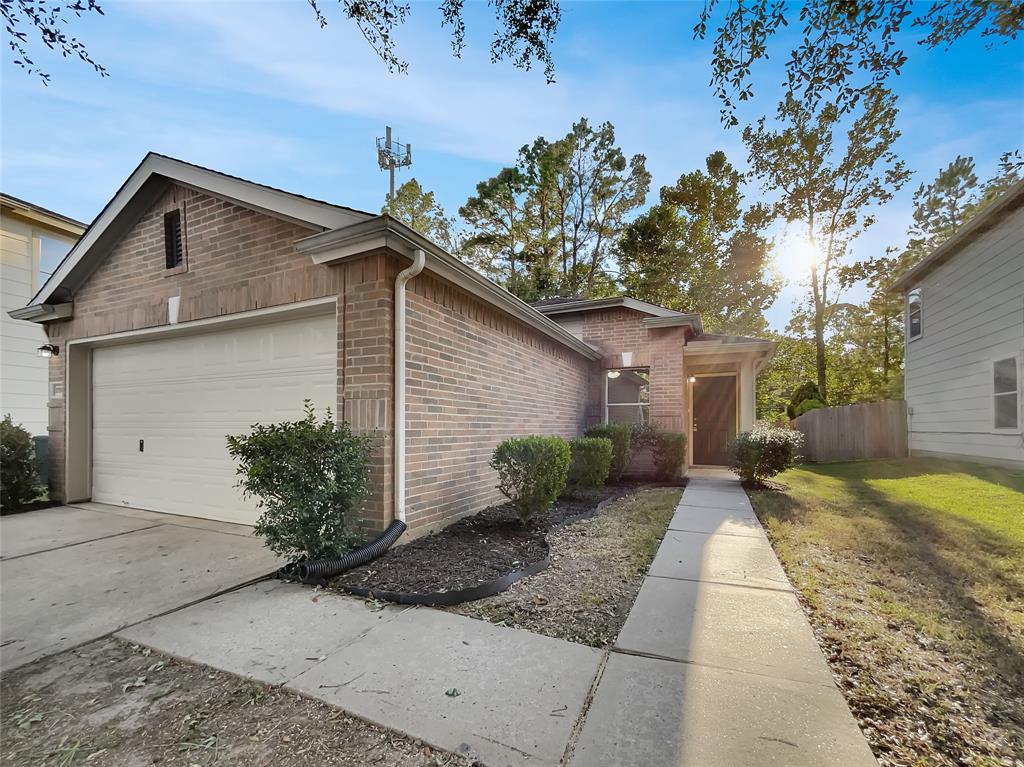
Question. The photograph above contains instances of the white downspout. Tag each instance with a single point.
(419, 258)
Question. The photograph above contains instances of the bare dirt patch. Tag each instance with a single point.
(596, 571)
(118, 705)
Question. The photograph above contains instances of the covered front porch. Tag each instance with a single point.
(721, 392)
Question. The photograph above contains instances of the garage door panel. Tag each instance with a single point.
(183, 396)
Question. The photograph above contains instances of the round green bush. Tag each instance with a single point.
(591, 460)
(804, 391)
(808, 405)
(532, 472)
(18, 479)
(765, 451)
(310, 479)
(669, 454)
(621, 436)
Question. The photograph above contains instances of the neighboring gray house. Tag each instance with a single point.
(965, 340)
(33, 240)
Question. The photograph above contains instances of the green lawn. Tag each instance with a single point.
(912, 572)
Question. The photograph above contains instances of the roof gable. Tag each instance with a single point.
(145, 186)
(990, 217)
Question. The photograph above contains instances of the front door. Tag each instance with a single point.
(714, 419)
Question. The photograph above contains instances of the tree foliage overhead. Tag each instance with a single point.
(847, 49)
(415, 206)
(548, 226)
(828, 181)
(700, 250)
(48, 21)
(524, 33)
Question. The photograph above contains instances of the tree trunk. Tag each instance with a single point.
(819, 332)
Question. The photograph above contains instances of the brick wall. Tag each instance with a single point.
(474, 378)
(237, 260)
(619, 332)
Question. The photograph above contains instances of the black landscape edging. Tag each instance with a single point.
(449, 598)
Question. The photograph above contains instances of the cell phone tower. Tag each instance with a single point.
(392, 154)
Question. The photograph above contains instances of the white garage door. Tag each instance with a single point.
(162, 409)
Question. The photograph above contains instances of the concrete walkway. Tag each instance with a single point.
(499, 695)
(73, 574)
(717, 665)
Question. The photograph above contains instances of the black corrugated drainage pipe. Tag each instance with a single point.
(320, 570)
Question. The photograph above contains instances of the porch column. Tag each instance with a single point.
(748, 396)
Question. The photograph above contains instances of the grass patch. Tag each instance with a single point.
(912, 572)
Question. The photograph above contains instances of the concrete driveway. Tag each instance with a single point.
(69, 575)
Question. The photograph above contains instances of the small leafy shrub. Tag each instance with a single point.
(805, 391)
(591, 460)
(18, 479)
(621, 435)
(644, 435)
(669, 454)
(309, 478)
(532, 472)
(765, 451)
(808, 405)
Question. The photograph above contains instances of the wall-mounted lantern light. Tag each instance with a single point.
(47, 350)
(613, 373)
(693, 379)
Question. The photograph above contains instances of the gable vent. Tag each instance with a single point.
(174, 245)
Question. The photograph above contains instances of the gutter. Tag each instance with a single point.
(419, 259)
(42, 312)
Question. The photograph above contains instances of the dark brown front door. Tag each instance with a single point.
(714, 419)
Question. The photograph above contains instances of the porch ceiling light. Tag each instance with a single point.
(614, 373)
(47, 350)
(693, 379)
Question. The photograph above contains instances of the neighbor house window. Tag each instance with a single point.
(174, 246)
(51, 253)
(628, 396)
(914, 313)
(1006, 406)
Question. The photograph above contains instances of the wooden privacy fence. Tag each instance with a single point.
(871, 430)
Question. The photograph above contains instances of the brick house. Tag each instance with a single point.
(198, 303)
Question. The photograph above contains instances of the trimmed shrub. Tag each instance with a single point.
(309, 478)
(765, 451)
(18, 478)
(669, 454)
(621, 435)
(591, 460)
(643, 435)
(808, 405)
(804, 391)
(532, 472)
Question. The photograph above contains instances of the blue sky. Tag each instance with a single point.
(258, 90)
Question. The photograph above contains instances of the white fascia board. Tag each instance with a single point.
(595, 304)
(271, 201)
(385, 232)
(696, 348)
(679, 320)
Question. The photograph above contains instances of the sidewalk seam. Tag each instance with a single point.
(80, 543)
(724, 583)
(577, 728)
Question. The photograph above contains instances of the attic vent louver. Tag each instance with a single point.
(174, 246)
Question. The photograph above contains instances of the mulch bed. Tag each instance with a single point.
(472, 551)
(597, 565)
